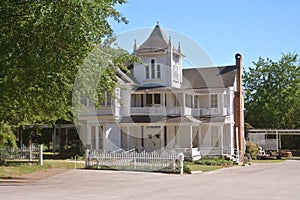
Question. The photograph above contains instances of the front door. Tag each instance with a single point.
(152, 138)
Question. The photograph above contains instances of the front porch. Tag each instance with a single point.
(187, 135)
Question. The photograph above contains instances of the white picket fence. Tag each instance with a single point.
(132, 160)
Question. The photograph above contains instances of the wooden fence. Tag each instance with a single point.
(34, 153)
(132, 160)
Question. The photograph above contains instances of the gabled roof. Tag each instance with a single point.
(212, 77)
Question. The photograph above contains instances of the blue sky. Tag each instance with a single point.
(256, 28)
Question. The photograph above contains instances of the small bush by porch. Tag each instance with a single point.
(207, 164)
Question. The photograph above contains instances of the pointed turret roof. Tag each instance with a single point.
(156, 42)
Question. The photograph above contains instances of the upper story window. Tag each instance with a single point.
(158, 71)
(214, 101)
(152, 68)
(147, 72)
(141, 100)
(175, 72)
(188, 100)
(195, 101)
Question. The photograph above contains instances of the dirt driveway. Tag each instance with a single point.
(259, 181)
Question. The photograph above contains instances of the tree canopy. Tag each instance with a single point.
(272, 98)
(42, 44)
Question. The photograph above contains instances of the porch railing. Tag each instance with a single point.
(229, 152)
(209, 111)
(189, 153)
(162, 110)
(210, 151)
(155, 110)
(132, 160)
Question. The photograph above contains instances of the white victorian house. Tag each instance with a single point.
(161, 106)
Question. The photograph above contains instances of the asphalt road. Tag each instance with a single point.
(259, 181)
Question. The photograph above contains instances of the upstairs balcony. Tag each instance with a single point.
(176, 110)
(209, 111)
(156, 110)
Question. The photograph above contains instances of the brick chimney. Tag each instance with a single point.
(238, 108)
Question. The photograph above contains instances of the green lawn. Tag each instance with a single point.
(268, 161)
(204, 168)
(15, 170)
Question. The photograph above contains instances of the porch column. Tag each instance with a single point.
(128, 137)
(231, 138)
(237, 138)
(193, 101)
(221, 97)
(183, 103)
(199, 137)
(221, 131)
(97, 137)
(191, 136)
(162, 137)
(163, 102)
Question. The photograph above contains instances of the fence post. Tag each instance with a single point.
(30, 152)
(87, 158)
(181, 158)
(41, 154)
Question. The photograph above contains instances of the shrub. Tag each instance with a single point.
(213, 161)
(252, 149)
(2, 162)
(186, 168)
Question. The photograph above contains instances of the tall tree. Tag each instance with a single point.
(272, 97)
(42, 44)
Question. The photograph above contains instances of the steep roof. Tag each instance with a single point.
(212, 77)
(156, 42)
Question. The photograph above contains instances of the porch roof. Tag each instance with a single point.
(158, 119)
(160, 89)
(170, 119)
